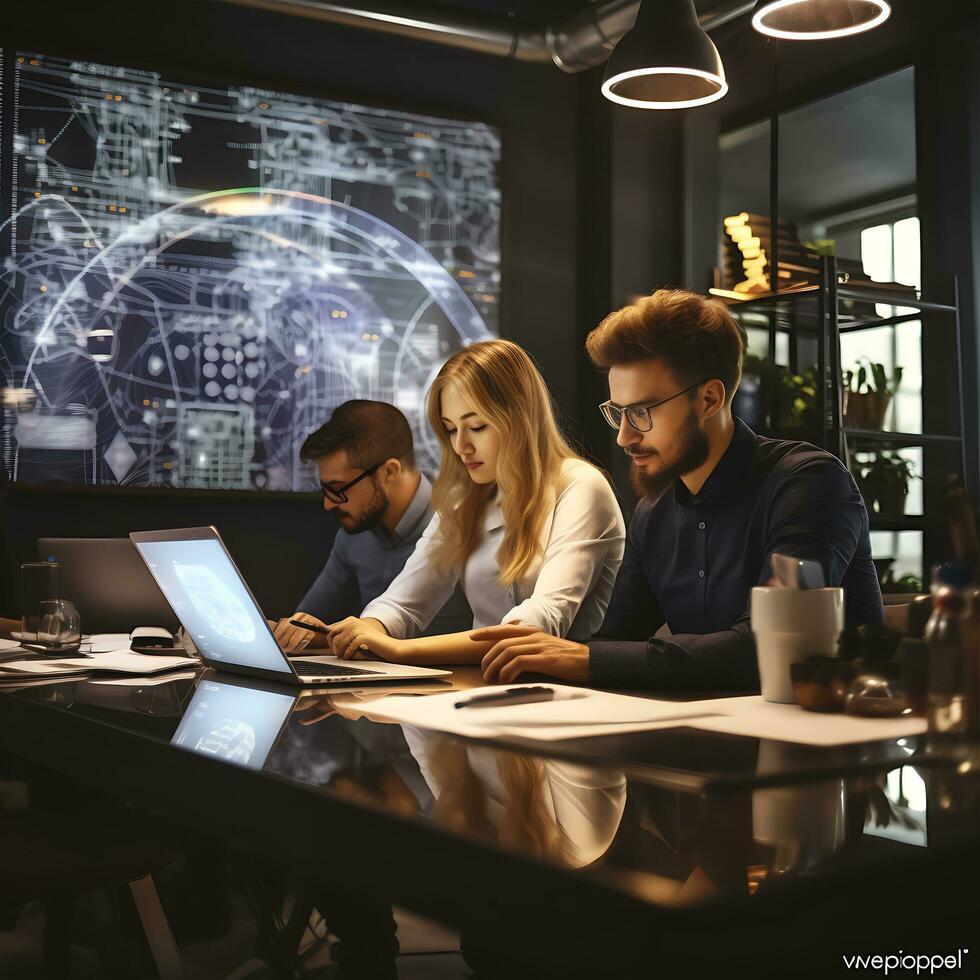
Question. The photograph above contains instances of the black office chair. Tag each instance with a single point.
(58, 857)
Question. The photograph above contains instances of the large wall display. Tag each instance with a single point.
(195, 277)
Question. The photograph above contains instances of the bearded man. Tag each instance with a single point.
(717, 501)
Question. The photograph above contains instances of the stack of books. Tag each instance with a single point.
(747, 265)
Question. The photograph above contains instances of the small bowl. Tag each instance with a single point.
(877, 692)
(821, 684)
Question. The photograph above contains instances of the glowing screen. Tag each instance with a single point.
(195, 277)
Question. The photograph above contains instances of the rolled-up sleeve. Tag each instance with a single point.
(583, 554)
(417, 594)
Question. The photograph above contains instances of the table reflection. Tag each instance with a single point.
(671, 844)
(551, 809)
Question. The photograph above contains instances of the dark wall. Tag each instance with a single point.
(282, 541)
(941, 40)
(600, 202)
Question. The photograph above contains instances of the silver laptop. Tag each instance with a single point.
(210, 598)
(108, 583)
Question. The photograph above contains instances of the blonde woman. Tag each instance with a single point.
(532, 532)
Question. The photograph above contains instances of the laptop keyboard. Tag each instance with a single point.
(309, 668)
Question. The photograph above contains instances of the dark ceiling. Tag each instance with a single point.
(854, 147)
(535, 13)
(529, 13)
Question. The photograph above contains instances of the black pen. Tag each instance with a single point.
(309, 626)
(509, 696)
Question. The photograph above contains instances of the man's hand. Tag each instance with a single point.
(353, 636)
(292, 639)
(525, 649)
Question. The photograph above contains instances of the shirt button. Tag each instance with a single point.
(701, 525)
(701, 573)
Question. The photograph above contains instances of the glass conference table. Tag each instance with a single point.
(677, 851)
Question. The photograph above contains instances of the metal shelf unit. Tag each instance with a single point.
(820, 314)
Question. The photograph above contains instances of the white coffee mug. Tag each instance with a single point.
(789, 626)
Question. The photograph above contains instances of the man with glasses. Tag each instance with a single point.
(366, 466)
(365, 461)
(716, 502)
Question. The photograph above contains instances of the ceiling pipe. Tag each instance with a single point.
(575, 44)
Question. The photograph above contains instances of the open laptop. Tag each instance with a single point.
(215, 606)
(108, 583)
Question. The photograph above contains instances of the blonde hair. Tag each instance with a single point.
(504, 387)
(461, 799)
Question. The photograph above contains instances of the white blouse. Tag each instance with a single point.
(586, 803)
(565, 591)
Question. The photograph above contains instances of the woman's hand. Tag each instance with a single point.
(353, 636)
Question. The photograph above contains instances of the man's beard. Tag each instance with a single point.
(372, 516)
(693, 449)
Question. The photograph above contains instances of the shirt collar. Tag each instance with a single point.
(493, 517)
(727, 475)
(418, 510)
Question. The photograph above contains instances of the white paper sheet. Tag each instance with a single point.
(757, 718)
(597, 713)
(96, 643)
(107, 642)
(182, 675)
(121, 662)
(602, 713)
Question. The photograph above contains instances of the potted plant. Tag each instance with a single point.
(771, 396)
(797, 398)
(906, 585)
(884, 482)
(867, 394)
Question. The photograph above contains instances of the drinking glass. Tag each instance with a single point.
(40, 581)
(59, 626)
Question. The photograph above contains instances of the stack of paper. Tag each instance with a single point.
(580, 713)
(116, 662)
(575, 713)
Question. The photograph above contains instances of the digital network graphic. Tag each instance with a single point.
(194, 278)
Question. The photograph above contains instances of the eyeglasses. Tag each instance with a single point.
(638, 415)
(339, 496)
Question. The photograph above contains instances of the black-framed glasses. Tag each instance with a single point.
(339, 496)
(638, 415)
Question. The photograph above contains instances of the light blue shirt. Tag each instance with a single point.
(362, 566)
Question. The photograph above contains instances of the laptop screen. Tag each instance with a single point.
(235, 724)
(207, 594)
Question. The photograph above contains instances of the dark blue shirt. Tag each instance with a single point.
(691, 562)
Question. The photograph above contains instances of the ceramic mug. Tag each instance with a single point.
(791, 625)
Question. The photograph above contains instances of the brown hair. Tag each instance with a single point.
(371, 432)
(694, 336)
